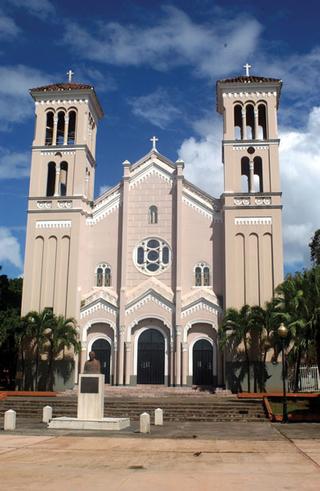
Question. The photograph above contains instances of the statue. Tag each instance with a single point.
(92, 365)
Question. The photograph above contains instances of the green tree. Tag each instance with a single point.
(62, 334)
(315, 248)
(234, 334)
(38, 326)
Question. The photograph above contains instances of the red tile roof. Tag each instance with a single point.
(250, 79)
(62, 87)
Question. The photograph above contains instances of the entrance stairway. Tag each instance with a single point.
(176, 407)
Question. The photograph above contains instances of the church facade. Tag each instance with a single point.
(148, 268)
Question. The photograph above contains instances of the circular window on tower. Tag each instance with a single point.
(152, 256)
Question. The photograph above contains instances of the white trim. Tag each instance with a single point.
(152, 170)
(53, 224)
(98, 305)
(214, 353)
(200, 304)
(135, 352)
(150, 297)
(91, 323)
(253, 221)
(197, 321)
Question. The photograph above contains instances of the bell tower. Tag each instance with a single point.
(60, 194)
(252, 193)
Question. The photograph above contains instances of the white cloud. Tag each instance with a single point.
(213, 49)
(39, 8)
(155, 108)
(8, 27)
(16, 104)
(9, 248)
(103, 189)
(300, 176)
(14, 165)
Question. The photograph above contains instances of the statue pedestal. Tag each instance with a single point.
(90, 408)
(91, 396)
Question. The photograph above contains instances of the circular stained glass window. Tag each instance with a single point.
(152, 256)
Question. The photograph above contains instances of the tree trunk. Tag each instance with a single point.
(248, 364)
(297, 369)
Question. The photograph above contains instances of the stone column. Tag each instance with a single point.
(115, 362)
(66, 130)
(128, 362)
(171, 360)
(55, 126)
(178, 355)
(256, 124)
(178, 271)
(123, 267)
(244, 125)
(121, 355)
(185, 363)
(57, 181)
(251, 176)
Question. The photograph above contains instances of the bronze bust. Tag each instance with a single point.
(92, 365)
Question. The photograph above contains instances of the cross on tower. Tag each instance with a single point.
(247, 69)
(154, 140)
(70, 74)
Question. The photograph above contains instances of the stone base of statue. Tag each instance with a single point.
(90, 408)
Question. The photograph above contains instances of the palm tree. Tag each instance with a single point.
(63, 334)
(235, 333)
(38, 327)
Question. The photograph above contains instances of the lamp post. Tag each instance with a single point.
(283, 332)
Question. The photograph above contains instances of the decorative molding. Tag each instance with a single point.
(53, 224)
(44, 205)
(262, 201)
(197, 306)
(204, 212)
(253, 221)
(247, 94)
(99, 305)
(60, 101)
(241, 201)
(148, 298)
(53, 152)
(65, 204)
(245, 147)
(106, 207)
(152, 171)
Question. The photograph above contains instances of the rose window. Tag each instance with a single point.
(152, 256)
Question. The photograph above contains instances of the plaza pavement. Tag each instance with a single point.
(186, 457)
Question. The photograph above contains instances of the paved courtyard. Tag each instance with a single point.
(203, 456)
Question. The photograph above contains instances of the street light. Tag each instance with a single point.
(283, 332)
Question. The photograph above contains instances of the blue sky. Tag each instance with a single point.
(154, 66)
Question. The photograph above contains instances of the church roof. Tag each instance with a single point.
(62, 87)
(243, 79)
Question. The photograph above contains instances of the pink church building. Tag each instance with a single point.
(148, 268)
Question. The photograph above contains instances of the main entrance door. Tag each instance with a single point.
(102, 349)
(202, 363)
(150, 358)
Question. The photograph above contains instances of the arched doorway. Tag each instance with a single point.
(102, 349)
(151, 348)
(202, 363)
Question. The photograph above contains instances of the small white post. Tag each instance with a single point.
(144, 423)
(10, 420)
(158, 417)
(46, 414)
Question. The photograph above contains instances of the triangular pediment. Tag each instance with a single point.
(149, 296)
(99, 300)
(150, 284)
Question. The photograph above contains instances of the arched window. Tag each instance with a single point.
(262, 122)
(63, 178)
(202, 275)
(153, 214)
(249, 122)
(103, 275)
(49, 128)
(51, 179)
(60, 128)
(258, 180)
(238, 122)
(72, 128)
(245, 175)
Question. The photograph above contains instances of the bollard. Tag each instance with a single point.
(46, 414)
(10, 420)
(158, 417)
(144, 423)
